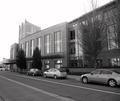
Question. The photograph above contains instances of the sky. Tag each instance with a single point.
(43, 13)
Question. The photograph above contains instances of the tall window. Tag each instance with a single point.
(22, 46)
(31, 47)
(47, 44)
(111, 29)
(115, 61)
(72, 48)
(72, 35)
(39, 43)
(47, 64)
(58, 63)
(112, 37)
(58, 41)
(26, 49)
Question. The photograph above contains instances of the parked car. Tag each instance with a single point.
(105, 76)
(55, 73)
(34, 72)
(2, 68)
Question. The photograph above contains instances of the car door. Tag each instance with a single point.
(48, 73)
(51, 73)
(54, 72)
(94, 76)
(104, 76)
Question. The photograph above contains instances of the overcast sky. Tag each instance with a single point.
(43, 13)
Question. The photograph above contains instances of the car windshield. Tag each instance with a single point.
(118, 72)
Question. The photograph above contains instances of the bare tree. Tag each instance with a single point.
(92, 29)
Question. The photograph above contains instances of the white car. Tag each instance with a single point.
(2, 68)
(55, 73)
(105, 76)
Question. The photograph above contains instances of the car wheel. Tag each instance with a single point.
(85, 80)
(112, 83)
(55, 76)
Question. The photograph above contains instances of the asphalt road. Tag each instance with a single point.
(17, 87)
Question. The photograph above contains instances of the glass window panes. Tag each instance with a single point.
(31, 47)
(72, 35)
(26, 49)
(58, 41)
(39, 43)
(115, 61)
(47, 44)
(58, 64)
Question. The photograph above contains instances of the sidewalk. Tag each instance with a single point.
(74, 77)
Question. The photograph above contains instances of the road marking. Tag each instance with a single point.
(75, 86)
(39, 90)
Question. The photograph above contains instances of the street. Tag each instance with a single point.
(17, 87)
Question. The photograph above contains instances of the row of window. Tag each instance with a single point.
(115, 61)
(47, 44)
(111, 31)
(57, 64)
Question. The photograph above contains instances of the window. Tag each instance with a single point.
(26, 49)
(58, 41)
(72, 35)
(58, 64)
(39, 43)
(47, 44)
(109, 17)
(22, 46)
(73, 63)
(47, 64)
(115, 61)
(112, 37)
(31, 47)
(72, 48)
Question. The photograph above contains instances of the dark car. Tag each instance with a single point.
(34, 72)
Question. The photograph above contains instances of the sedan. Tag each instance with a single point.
(34, 72)
(55, 73)
(104, 76)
